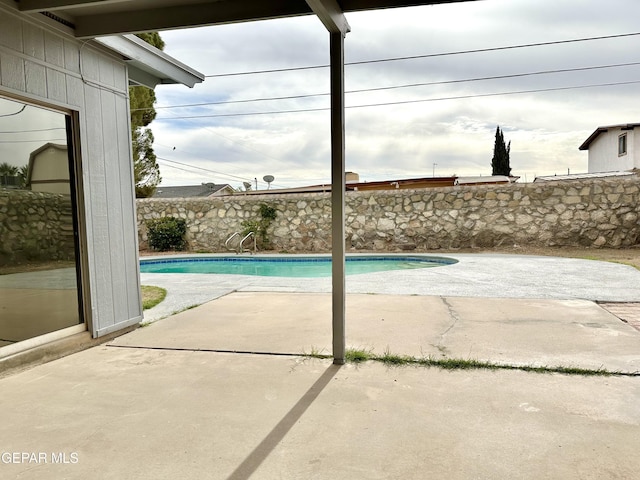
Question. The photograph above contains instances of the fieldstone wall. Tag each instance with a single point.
(593, 213)
(35, 226)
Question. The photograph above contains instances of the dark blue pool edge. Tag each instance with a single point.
(302, 258)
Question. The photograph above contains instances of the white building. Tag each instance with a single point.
(48, 169)
(76, 90)
(613, 148)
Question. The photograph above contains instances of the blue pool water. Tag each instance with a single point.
(310, 267)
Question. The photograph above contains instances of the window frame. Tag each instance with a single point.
(622, 144)
(72, 127)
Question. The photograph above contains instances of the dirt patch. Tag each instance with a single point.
(627, 256)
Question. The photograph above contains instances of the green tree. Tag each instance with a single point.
(8, 169)
(141, 102)
(7, 174)
(23, 172)
(145, 167)
(501, 151)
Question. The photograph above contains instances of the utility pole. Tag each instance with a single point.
(434, 170)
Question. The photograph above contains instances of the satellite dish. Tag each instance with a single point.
(268, 179)
(247, 186)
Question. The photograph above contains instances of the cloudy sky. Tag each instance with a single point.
(434, 133)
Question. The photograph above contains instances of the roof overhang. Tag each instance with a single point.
(149, 66)
(599, 130)
(93, 18)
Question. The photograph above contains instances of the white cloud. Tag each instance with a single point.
(25, 128)
(401, 140)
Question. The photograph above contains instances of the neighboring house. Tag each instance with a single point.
(353, 184)
(581, 176)
(189, 191)
(613, 148)
(488, 180)
(49, 169)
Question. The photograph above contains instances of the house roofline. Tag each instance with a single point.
(599, 130)
(148, 65)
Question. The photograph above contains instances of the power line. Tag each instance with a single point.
(408, 85)
(177, 168)
(35, 141)
(201, 168)
(432, 55)
(35, 130)
(480, 95)
(205, 169)
(15, 113)
(246, 147)
(406, 101)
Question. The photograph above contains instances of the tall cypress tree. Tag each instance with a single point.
(141, 101)
(500, 161)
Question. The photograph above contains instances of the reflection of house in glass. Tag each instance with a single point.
(49, 169)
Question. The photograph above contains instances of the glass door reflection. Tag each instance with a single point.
(38, 227)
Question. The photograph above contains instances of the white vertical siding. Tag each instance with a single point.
(603, 152)
(46, 66)
(633, 144)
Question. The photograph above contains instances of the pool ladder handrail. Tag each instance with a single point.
(255, 243)
(226, 244)
(240, 247)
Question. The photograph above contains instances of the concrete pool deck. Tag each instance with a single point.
(475, 275)
(170, 401)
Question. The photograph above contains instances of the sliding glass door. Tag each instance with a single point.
(39, 286)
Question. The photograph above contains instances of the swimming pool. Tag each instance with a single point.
(289, 266)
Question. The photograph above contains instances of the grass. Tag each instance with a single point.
(152, 296)
(357, 356)
(315, 353)
(189, 307)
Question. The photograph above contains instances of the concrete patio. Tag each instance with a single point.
(194, 409)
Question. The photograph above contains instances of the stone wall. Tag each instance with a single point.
(35, 226)
(593, 213)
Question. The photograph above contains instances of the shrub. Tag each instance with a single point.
(259, 227)
(167, 233)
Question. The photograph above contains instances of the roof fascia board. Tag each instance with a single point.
(213, 13)
(331, 15)
(143, 57)
(592, 137)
